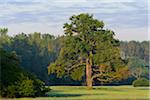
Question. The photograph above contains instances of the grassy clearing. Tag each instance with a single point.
(98, 93)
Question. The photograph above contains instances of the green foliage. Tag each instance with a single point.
(86, 39)
(137, 67)
(136, 62)
(11, 92)
(4, 38)
(136, 55)
(26, 87)
(9, 68)
(14, 81)
(142, 82)
(35, 51)
(135, 49)
(22, 88)
(77, 73)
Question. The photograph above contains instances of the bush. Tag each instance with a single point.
(15, 82)
(142, 82)
(26, 88)
(39, 86)
(12, 91)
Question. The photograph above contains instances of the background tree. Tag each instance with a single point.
(136, 55)
(5, 40)
(35, 50)
(135, 49)
(137, 68)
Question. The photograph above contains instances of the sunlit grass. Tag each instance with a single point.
(98, 93)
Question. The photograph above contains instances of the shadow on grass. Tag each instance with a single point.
(108, 89)
(143, 89)
(55, 94)
(63, 95)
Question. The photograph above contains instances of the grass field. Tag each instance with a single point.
(98, 93)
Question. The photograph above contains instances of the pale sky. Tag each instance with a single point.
(127, 18)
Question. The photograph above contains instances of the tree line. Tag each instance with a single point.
(86, 54)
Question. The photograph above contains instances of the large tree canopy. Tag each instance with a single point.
(88, 46)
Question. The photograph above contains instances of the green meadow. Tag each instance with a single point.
(98, 93)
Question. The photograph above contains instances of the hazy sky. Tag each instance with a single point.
(127, 18)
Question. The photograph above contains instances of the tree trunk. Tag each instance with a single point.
(88, 73)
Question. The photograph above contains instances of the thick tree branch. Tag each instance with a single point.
(73, 66)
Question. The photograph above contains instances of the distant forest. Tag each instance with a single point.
(37, 51)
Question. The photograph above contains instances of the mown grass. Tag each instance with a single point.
(98, 93)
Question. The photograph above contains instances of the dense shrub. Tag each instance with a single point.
(11, 91)
(142, 82)
(26, 87)
(15, 82)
